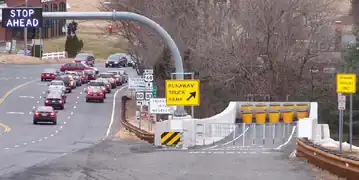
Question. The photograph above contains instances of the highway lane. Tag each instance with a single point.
(79, 125)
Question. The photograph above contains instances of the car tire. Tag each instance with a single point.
(87, 100)
(55, 122)
(102, 101)
(70, 91)
(34, 122)
(42, 79)
(62, 107)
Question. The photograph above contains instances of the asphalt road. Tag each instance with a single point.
(23, 144)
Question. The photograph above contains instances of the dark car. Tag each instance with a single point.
(116, 60)
(54, 100)
(45, 114)
(67, 81)
(59, 91)
(49, 74)
(86, 58)
(83, 77)
(75, 67)
(91, 75)
(95, 94)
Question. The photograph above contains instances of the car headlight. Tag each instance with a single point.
(106, 62)
(116, 62)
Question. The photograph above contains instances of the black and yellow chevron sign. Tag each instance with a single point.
(170, 138)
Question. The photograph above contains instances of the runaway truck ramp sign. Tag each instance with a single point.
(182, 92)
(346, 83)
(170, 138)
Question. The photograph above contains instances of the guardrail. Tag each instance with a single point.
(330, 160)
(54, 55)
(142, 134)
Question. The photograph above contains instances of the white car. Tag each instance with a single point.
(55, 84)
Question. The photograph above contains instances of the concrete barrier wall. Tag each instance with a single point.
(195, 130)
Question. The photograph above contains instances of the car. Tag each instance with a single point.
(118, 77)
(116, 60)
(75, 76)
(111, 77)
(57, 84)
(76, 67)
(45, 114)
(91, 75)
(123, 73)
(83, 77)
(55, 100)
(95, 93)
(49, 74)
(85, 58)
(107, 84)
(69, 83)
(62, 93)
(95, 83)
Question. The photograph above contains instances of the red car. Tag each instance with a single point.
(75, 67)
(95, 94)
(85, 58)
(48, 74)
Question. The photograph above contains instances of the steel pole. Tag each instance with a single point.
(25, 34)
(351, 121)
(180, 111)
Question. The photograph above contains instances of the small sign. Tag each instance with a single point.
(158, 106)
(346, 83)
(139, 103)
(148, 71)
(148, 95)
(149, 85)
(148, 77)
(341, 97)
(341, 106)
(182, 92)
(140, 95)
(136, 83)
(22, 17)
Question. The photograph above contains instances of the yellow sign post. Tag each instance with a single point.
(182, 93)
(346, 83)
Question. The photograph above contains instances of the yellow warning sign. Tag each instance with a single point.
(182, 93)
(346, 83)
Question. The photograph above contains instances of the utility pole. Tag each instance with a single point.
(25, 34)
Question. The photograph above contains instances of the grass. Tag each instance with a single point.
(100, 44)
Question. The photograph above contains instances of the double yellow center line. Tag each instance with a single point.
(7, 128)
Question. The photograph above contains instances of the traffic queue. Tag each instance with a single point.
(67, 79)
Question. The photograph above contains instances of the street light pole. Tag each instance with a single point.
(25, 34)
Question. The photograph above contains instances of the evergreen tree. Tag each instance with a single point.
(163, 67)
(73, 46)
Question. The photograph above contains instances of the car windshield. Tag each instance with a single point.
(113, 57)
(95, 89)
(89, 72)
(45, 109)
(49, 70)
(56, 91)
(104, 80)
(57, 83)
(53, 96)
(114, 73)
(96, 83)
(105, 75)
(81, 56)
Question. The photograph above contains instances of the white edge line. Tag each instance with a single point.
(229, 141)
(113, 111)
(290, 137)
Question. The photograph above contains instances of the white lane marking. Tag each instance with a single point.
(31, 97)
(51, 135)
(32, 142)
(17, 77)
(7, 148)
(57, 131)
(77, 102)
(16, 146)
(72, 113)
(40, 140)
(25, 144)
(40, 97)
(80, 92)
(30, 112)
(45, 137)
(61, 127)
(65, 122)
(69, 117)
(15, 113)
(33, 107)
(113, 111)
(290, 138)
(37, 102)
(74, 107)
(43, 92)
(78, 97)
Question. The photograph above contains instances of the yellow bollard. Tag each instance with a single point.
(302, 106)
(274, 115)
(274, 106)
(247, 107)
(302, 113)
(247, 116)
(260, 116)
(261, 106)
(287, 115)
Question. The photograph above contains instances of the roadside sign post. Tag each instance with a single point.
(346, 84)
(148, 78)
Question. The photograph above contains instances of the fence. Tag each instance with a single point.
(54, 55)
